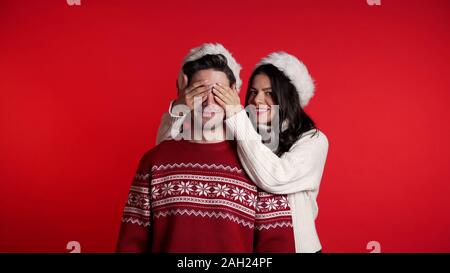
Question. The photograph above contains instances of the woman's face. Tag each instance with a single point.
(261, 97)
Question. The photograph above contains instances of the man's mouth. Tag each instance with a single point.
(210, 111)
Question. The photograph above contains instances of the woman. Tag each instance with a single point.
(296, 165)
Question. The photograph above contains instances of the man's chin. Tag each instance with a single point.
(208, 123)
(213, 118)
(211, 124)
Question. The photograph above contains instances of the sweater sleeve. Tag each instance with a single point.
(273, 224)
(135, 228)
(299, 169)
(170, 125)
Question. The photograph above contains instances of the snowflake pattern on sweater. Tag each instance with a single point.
(190, 197)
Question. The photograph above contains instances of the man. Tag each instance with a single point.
(191, 194)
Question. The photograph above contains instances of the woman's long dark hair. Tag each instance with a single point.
(286, 96)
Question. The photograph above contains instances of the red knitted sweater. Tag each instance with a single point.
(191, 197)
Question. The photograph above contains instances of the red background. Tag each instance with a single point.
(82, 89)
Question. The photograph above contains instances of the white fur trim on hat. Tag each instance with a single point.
(210, 48)
(295, 70)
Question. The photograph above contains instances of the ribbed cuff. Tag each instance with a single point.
(173, 115)
(235, 121)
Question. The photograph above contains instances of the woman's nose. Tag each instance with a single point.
(259, 98)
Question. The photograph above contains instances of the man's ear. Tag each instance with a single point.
(233, 86)
(179, 81)
(182, 82)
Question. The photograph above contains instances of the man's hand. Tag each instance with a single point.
(227, 98)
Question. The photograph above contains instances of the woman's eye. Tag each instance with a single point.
(269, 94)
(253, 93)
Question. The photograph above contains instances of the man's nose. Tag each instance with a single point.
(210, 99)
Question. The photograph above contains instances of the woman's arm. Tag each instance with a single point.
(300, 169)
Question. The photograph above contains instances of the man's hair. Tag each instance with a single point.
(217, 62)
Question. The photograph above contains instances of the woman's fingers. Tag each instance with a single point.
(199, 91)
(220, 101)
(223, 91)
(231, 94)
(221, 95)
(221, 88)
(195, 85)
(228, 99)
(224, 94)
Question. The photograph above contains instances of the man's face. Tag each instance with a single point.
(211, 112)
